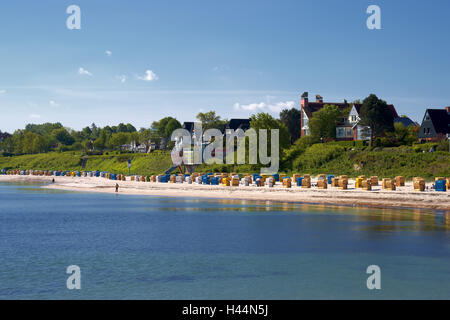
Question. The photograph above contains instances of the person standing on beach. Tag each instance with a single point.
(117, 187)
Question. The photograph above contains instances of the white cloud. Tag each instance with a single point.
(263, 106)
(250, 107)
(278, 107)
(82, 71)
(34, 116)
(122, 78)
(2, 91)
(149, 76)
(108, 53)
(53, 103)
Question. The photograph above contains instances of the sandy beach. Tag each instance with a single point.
(403, 197)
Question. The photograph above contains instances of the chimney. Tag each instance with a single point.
(319, 98)
(304, 101)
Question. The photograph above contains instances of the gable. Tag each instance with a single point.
(353, 112)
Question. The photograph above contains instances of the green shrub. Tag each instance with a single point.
(424, 147)
(316, 156)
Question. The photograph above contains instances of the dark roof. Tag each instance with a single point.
(316, 106)
(394, 112)
(235, 124)
(405, 121)
(390, 106)
(440, 119)
(189, 126)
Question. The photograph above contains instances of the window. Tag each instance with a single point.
(353, 118)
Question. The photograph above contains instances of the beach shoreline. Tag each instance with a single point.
(403, 197)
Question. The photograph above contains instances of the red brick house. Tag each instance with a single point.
(347, 129)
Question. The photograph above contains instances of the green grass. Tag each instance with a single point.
(142, 164)
(330, 158)
(387, 162)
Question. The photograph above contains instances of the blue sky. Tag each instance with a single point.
(234, 57)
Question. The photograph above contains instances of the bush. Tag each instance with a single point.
(443, 145)
(424, 147)
(316, 156)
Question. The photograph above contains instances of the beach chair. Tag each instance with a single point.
(400, 181)
(287, 183)
(342, 183)
(374, 180)
(322, 184)
(358, 183)
(419, 184)
(335, 182)
(366, 185)
(306, 182)
(388, 184)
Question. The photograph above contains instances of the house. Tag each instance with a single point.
(189, 126)
(134, 147)
(435, 124)
(405, 121)
(308, 108)
(348, 128)
(130, 147)
(142, 148)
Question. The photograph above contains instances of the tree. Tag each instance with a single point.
(34, 143)
(171, 126)
(95, 131)
(323, 123)
(86, 133)
(119, 139)
(291, 119)
(404, 135)
(87, 145)
(122, 128)
(101, 142)
(266, 121)
(145, 137)
(130, 128)
(376, 114)
(63, 136)
(165, 127)
(28, 140)
(210, 120)
(16, 145)
(44, 129)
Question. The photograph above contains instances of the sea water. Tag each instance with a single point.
(141, 247)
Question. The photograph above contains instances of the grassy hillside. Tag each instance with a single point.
(143, 164)
(387, 162)
(316, 159)
(336, 159)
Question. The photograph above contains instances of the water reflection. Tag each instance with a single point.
(369, 219)
(379, 219)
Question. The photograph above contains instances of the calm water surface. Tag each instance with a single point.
(138, 247)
